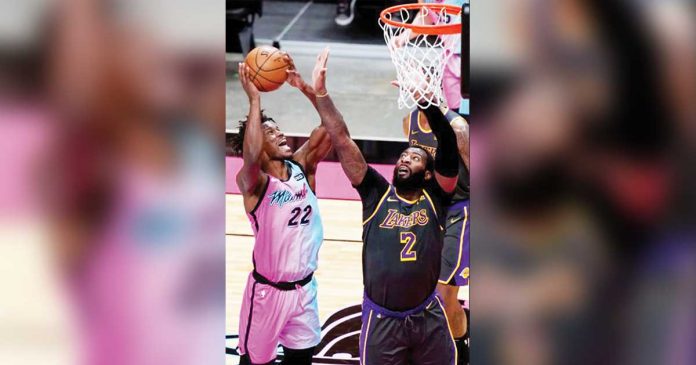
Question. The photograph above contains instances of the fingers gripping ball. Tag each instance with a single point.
(268, 67)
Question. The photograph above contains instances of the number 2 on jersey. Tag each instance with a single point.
(296, 214)
(409, 239)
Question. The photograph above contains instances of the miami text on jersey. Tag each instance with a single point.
(281, 197)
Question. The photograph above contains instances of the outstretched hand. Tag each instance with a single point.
(319, 72)
(245, 79)
(294, 77)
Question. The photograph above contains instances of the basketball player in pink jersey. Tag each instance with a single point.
(280, 299)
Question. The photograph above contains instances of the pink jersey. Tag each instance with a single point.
(288, 228)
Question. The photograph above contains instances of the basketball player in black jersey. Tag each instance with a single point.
(454, 271)
(403, 321)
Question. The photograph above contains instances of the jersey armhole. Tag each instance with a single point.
(381, 200)
(439, 208)
(261, 196)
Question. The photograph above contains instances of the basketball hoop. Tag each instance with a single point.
(420, 61)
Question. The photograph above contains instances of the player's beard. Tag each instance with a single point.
(414, 181)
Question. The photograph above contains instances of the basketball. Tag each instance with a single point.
(268, 68)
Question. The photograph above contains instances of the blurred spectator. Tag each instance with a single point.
(345, 12)
(346, 9)
(130, 98)
(574, 185)
(539, 254)
(239, 20)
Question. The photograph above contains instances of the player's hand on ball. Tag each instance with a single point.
(249, 88)
(319, 72)
(294, 77)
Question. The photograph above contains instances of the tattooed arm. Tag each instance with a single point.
(352, 160)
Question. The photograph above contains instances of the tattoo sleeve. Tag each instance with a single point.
(352, 160)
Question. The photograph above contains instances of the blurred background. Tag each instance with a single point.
(111, 209)
(582, 136)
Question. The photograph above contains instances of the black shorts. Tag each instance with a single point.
(420, 337)
(454, 269)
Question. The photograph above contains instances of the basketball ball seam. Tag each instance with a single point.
(258, 85)
(256, 57)
(277, 68)
(259, 67)
(269, 80)
(268, 58)
(257, 76)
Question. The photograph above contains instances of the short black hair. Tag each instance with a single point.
(429, 161)
(237, 140)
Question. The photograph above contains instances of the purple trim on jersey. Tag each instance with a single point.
(370, 305)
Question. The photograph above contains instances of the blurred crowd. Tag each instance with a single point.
(112, 182)
(111, 196)
(582, 183)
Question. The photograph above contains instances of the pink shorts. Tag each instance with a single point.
(270, 316)
(451, 82)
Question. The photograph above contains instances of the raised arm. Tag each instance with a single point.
(352, 160)
(312, 152)
(319, 143)
(250, 177)
(295, 80)
(461, 131)
(447, 158)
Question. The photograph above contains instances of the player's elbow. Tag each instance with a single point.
(244, 181)
(447, 184)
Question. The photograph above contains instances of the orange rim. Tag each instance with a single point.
(424, 29)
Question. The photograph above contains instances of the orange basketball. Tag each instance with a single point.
(268, 68)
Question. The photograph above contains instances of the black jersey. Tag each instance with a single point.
(402, 242)
(420, 135)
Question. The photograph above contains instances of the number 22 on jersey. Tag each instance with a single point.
(296, 214)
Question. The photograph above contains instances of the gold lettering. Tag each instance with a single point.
(396, 219)
(423, 217)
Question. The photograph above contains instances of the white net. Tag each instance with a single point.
(419, 59)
